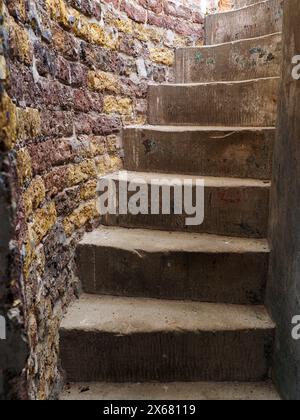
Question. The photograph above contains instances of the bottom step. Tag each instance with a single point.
(112, 339)
(263, 391)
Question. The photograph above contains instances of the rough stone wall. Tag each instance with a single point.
(77, 70)
(13, 349)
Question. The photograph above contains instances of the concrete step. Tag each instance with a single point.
(173, 265)
(187, 391)
(234, 61)
(140, 340)
(206, 151)
(245, 104)
(233, 207)
(255, 20)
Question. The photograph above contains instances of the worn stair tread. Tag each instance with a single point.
(163, 241)
(127, 316)
(234, 42)
(253, 20)
(221, 82)
(261, 391)
(216, 182)
(195, 128)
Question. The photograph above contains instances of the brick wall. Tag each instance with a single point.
(77, 71)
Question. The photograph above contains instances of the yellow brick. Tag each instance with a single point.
(115, 163)
(80, 217)
(98, 146)
(124, 25)
(60, 12)
(29, 123)
(20, 42)
(33, 254)
(28, 246)
(53, 7)
(179, 41)
(8, 122)
(140, 32)
(111, 42)
(162, 56)
(101, 81)
(101, 165)
(134, 120)
(96, 34)
(43, 220)
(118, 105)
(81, 172)
(88, 190)
(112, 144)
(106, 164)
(91, 32)
(71, 19)
(24, 166)
(34, 196)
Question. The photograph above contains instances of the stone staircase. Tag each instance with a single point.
(171, 311)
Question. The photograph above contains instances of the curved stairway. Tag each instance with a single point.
(176, 312)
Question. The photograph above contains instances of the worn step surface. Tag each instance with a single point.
(255, 20)
(171, 265)
(207, 151)
(247, 103)
(232, 207)
(240, 60)
(202, 391)
(133, 339)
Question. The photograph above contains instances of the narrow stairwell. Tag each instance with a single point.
(171, 311)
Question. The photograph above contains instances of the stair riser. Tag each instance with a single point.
(237, 154)
(249, 59)
(241, 212)
(257, 20)
(251, 103)
(181, 356)
(206, 277)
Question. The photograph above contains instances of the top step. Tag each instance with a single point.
(256, 20)
(244, 59)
